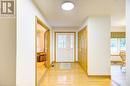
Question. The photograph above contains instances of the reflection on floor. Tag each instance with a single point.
(71, 74)
(41, 69)
(118, 77)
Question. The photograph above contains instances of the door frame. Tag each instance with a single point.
(74, 45)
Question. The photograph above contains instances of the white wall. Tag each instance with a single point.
(7, 52)
(98, 45)
(65, 29)
(26, 12)
(51, 46)
(118, 29)
(128, 41)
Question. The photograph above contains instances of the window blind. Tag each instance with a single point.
(118, 34)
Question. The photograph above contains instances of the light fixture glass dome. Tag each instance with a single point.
(67, 6)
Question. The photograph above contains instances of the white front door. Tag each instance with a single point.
(64, 47)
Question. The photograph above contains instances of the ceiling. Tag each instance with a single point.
(56, 17)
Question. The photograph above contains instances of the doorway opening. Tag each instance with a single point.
(65, 47)
(42, 47)
(118, 58)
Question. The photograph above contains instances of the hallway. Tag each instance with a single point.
(71, 74)
(30, 42)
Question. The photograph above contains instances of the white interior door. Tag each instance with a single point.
(64, 47)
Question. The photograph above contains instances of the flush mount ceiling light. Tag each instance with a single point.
(67, 6)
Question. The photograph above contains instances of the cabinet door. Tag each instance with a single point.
(82, 48)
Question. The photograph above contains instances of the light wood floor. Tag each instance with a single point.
(41, 70)
(71, 74)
